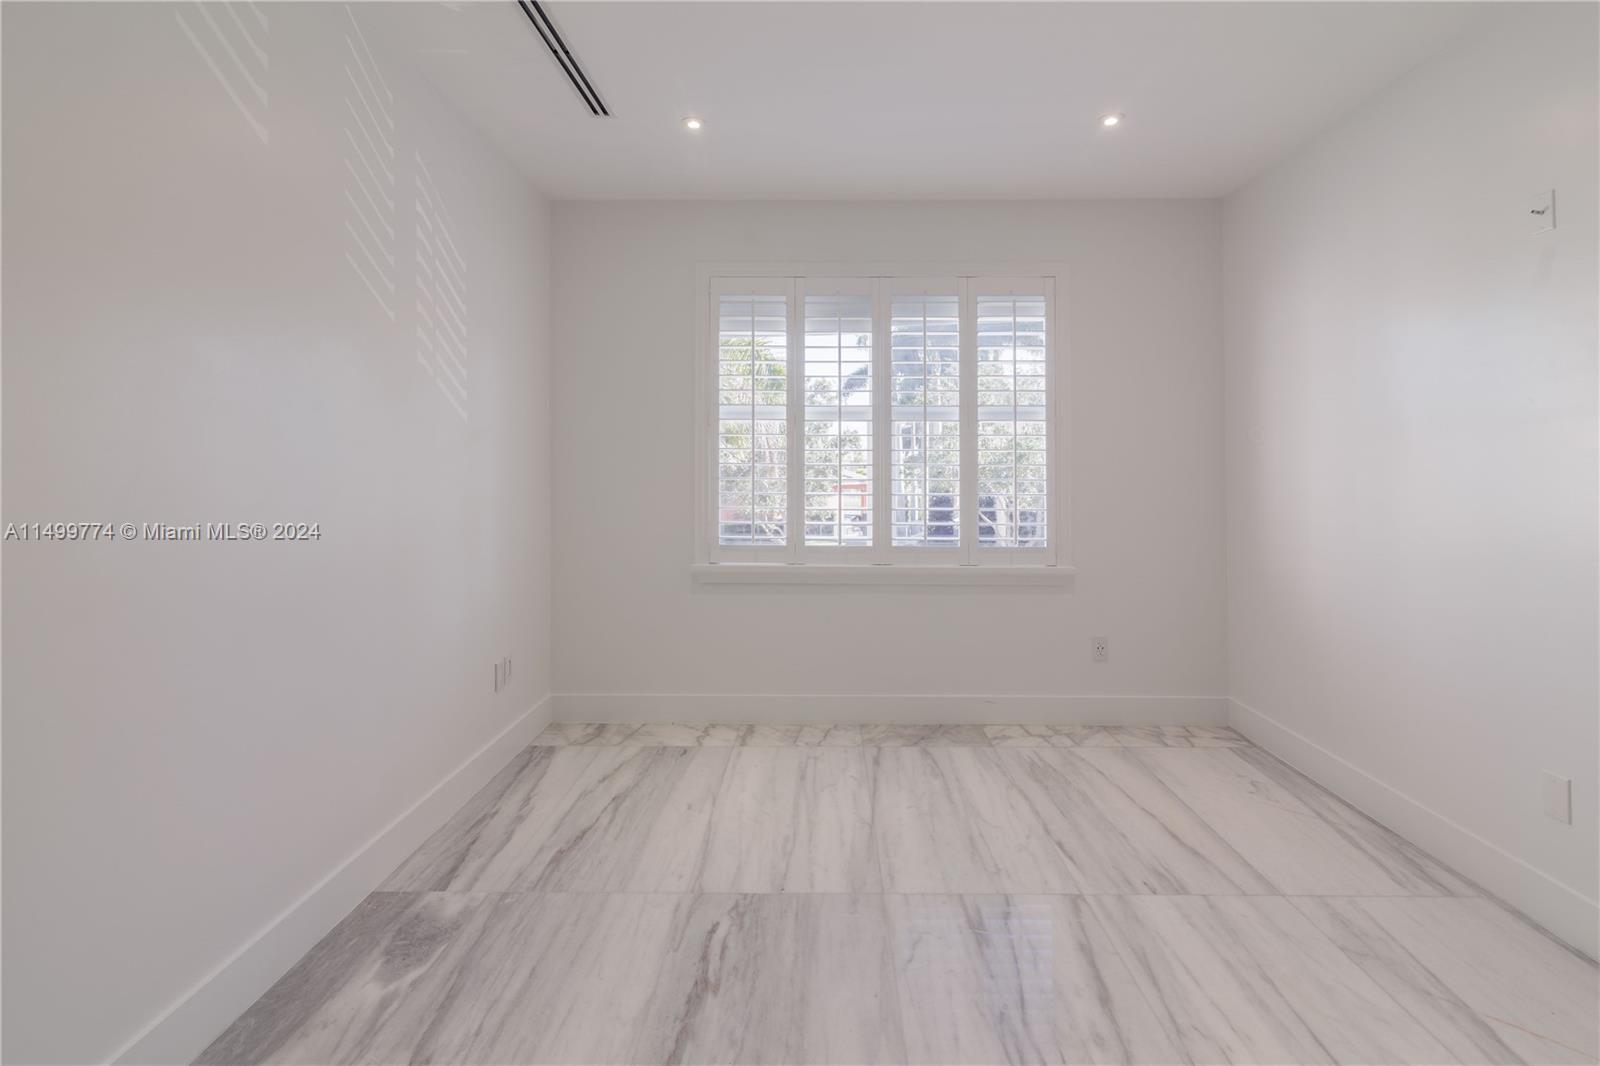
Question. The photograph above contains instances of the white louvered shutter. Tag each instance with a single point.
(752, 417)
(838, 400)
(1012, 417)
(925, 418)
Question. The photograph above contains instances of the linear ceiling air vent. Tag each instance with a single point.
(564, 57)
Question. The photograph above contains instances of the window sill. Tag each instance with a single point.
(878, 574)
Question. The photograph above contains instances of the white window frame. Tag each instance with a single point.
(882, 563)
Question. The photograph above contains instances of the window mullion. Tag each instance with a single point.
(968, 364)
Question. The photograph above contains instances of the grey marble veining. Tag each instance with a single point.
(1451, 959)
(829, 736)
(635, 821)
(1300, 852)
(1092, 736)
(773, 736)
(1120, 829)
(948, 820)
(1406, 864)
(848, 894)
(1252, 980)
(901, 736)
(1358, 934)
(1151, 736)
(680, 734)
(1025, 979)
(561, 734)
(1215, 736)
(1028, 736)
(793, 820)
(591, 978)
(491, 839)
(592, 819)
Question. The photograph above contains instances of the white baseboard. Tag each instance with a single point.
(940, 710)
(199, 1015)
(1559, 908)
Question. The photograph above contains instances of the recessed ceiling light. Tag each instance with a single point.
(1110, 120)
(692, 123)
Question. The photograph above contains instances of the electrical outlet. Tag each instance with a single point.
(1557, 797)
(1542, 211)
(1100, 648)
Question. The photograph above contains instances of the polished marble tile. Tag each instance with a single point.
(772, 736)
(592, 819)
(949, 820)
(1537, 998)
(1091, 736)
(1411, 984)
(585, 978)
(1408, 865)
(1019, 979)
(786, 894)
(368, 992)
(781, 979)
(690, 735)
(1119, 829)
(829, 736)
(1298, 851)
(635, 821)
(902, 736)
(1252, 980)
(793, 820)
(560, 734)
(1151, 736)
(492, 839)
(1216, 736)
(1028, 736)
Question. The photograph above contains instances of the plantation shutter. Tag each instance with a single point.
(925, 416)
(1012, 414)
(838, 401)
(752, 417)
(883, 420)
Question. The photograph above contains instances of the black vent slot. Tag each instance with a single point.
(564, 57)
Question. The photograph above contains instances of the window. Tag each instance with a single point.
(883, 420)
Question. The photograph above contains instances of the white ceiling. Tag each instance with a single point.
(918, 100)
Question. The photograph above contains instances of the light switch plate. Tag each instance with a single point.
(1558, 797)
(1542, 212)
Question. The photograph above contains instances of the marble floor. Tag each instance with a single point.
(919, 894)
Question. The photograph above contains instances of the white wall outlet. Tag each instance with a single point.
(1100, 649)
(1542, 211)
(1557, 797)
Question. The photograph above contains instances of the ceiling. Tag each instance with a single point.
(918, 100)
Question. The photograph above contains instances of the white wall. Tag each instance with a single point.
(1140, 314)
(196, 734)
(1411, 413)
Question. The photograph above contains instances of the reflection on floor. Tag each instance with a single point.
(919, 894)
